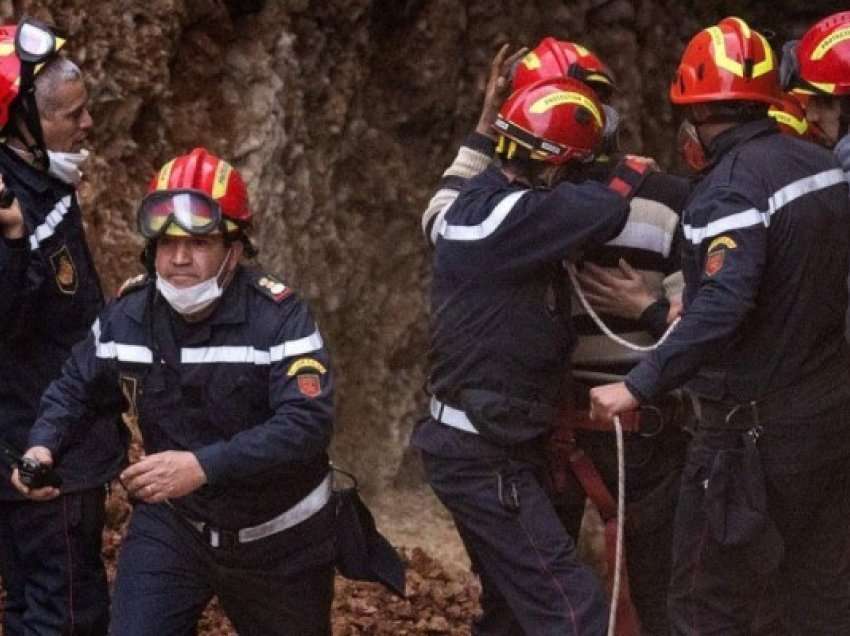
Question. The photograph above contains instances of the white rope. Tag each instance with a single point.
(621, 515)
(604, 328)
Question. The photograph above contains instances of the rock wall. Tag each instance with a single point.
(341, 115)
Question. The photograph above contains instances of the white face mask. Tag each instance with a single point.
(65, 166)
(190, 300)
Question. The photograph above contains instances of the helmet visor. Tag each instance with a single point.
(179, 212)
(34, 41)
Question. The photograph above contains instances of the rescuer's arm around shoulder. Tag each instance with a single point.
(300, 392)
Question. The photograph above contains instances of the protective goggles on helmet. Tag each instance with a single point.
(181, 213)
(537, 148)
(35, 42)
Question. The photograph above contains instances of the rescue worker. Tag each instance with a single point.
(818, 67)
(500, 343)
(227, 373)
(50, 559)
(765, 493)
(639, 310)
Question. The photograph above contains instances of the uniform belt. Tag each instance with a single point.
(725, 416)
(450, 416)
(303, 510)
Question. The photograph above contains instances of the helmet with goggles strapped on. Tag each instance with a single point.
(24, 49)
(196, 194)
(727, 62)
(554, 121)
(560, 59)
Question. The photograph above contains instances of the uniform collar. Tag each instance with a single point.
(33, 178)
(740, 134)
(231, 309)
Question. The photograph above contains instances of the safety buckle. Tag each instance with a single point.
(220, 538)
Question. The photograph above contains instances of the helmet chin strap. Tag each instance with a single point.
(31, 135)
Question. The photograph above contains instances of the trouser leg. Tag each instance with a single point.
(282, 585)
(57, 582)
(163, 582)
(812, 511)
(714, 588)
(524, 552)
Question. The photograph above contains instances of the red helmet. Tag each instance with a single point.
(791, 117)
(823, 55)
(38, 36)
(560, 59)
(196, 193)
(727, 62)
(555, 121)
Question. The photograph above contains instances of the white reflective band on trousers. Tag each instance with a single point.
(303, 510)
(455, 418)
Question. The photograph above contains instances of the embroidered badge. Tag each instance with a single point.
(309, 384)
(277, 290)
(722, 241)
(714, 261)
(305, 363)
(717, 254)
(131, 283)
(63, 268)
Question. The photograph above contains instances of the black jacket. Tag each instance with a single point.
(49, 297)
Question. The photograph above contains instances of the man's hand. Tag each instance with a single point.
(43, 456)
(625, 293)
(166, 475)
(11, 218)
(609, 400)
(498, 88)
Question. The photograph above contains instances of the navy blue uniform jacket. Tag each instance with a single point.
(49, 297)
(501, 333)
(765, 263)
(247, 390)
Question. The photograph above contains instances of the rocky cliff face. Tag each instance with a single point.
(341, 114)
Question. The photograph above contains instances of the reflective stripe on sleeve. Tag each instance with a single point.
(119, 351)
(54, 218)
(250, 355)
(779, 199)
(486, 227)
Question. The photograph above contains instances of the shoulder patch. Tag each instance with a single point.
(722, 241)
(271, 287)
(132, 284)
(304, 364)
